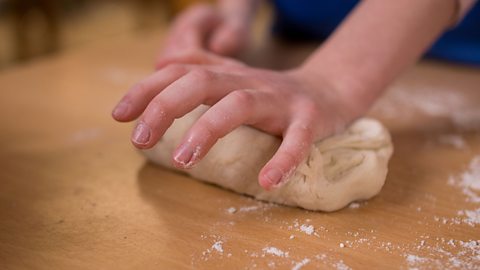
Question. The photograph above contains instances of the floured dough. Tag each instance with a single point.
(340, 169)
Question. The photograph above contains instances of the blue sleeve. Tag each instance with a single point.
(316, 20)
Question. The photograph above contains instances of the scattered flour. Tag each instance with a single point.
(354, 205)
(466, 256)
(434, 102)
(308, 229)
(304, 227)
(453, 140)
(469, 181)
(414, 260)
(301, 264)
(341, 266)
(426, 253)
(232, 210)
(249, 208)
(472, 217)
(218, 246)
(275, 251)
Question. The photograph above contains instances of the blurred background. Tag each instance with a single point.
(31, 29)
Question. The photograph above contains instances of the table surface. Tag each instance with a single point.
(74, 193)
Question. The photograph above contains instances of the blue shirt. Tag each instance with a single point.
(317, 19)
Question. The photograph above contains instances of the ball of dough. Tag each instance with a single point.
(340, 169)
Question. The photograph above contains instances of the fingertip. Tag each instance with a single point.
(185, 157)
(264, 183)
(142, 136)
(220, 48)
(291, 153)
(121, 111)
(270, 177)
(226, 41)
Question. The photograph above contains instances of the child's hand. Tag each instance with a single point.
(222, 29)
(285, 104)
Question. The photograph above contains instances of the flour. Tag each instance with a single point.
(275, 251)
(453, 140)
(257, 206)
(434, 102)
(472, 217)
(232, 210)
(426, 252)
(218, 246)
(459, 254)
(469, 181)
(413, 260)
(354, 205)
(304, 227)
(308, 229)
(249, 208)
(301, 264)
(341, 266)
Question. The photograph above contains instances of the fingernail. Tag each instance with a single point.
(121, 109)
(186, 156)
(183, 155)
(141, 135)
(274, 176)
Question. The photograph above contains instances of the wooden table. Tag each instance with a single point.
(74, 194)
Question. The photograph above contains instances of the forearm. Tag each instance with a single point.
(378, 41)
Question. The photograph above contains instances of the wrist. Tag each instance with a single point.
(352, 98)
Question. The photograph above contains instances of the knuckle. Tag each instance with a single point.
(139, 87)
(304, 133)
(310, 108)
(201, 75)
(243, 97)
(287, 159)
(191, 53)
(158, 109)
(209, 129)
(175, 68)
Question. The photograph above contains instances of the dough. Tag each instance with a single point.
(340, 169)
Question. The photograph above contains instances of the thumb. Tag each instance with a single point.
(229, 38)
(191, 29)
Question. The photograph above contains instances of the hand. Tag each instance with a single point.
(285, 104)
(222, 29)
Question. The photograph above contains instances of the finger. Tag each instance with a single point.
(192, 27)
(193, 56)
(229, 38)
(138, 97)
(237, 108)
(292, 151)
(197, 87)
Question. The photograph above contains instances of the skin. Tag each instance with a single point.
(337, 84)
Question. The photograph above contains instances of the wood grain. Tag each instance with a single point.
(74, 194)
